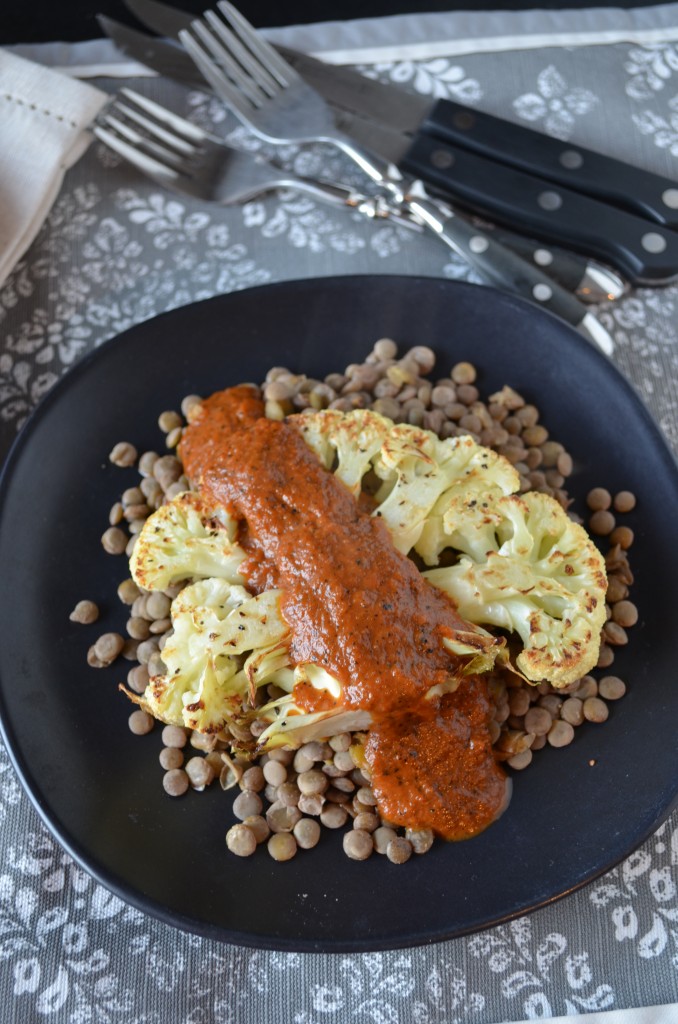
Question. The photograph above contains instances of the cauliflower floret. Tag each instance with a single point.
(185, 539)
(420, 473)
(528, 568)
(225, 643)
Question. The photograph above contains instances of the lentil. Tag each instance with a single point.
(382, 836)
(137, 680)
(85, 612)
(624, 501)
(572, 711)
(561, 733)
(275, 773)
(538, 721)
(175, 782)
(246, 804)
(114, 540)
(123, 454)
(170, 757)
(241, 841)
(253, 779)
(116, 514)
(399, 850)
(624, 613)
(200, 772)
(307, 833)
(312, 782)
(313, 803)
(140, 722)
(366, 820)
(282, 846)
(595, 710)
(602, 522)
(611, 687)
(598, 499)
(333, 815)
(521, 760)
(258, 826)
(623, 536)
(615, 634)
(108, 647)
(358, 844)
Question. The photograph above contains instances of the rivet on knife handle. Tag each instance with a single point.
(574, 167)
(503, 268)
(645, 253)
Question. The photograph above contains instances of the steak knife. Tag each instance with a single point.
(644, 251)
(589, 280)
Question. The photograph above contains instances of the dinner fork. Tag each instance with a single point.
(179, 155)
(268, 94)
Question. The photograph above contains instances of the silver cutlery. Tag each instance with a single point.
(181, 156)
(589, 280)
(270, 97)
(503, 171)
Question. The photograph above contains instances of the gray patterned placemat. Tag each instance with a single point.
(116, 250)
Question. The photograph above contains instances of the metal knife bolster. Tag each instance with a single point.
(572, 166)
(644, 252)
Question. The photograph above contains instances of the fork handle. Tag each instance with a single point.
(503, 268)
(382, 172)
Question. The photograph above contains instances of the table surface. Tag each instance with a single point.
(116, 250)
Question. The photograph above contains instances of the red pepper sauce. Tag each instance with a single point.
(359, 609)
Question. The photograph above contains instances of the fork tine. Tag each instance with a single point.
(142, 143)
(241, 54)
(232, 68)
(157, 132)
(265, 53)
(145, 163)
(216, 78)
(179, 125)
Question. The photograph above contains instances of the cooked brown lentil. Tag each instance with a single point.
(602, 522)
(175, 782)
(123, 454)
(170, 757)
(358, 844)
(599, 499)
(595, 710)
(611, 687)
(114, 540)
(258, 826)
(241, 841)
(85, 612)
(307, 833)
(282, 846)
(624, 501)
(199, 771)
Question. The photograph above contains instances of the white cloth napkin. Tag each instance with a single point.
(43, 117)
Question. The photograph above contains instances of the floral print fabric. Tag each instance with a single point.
(116, 250)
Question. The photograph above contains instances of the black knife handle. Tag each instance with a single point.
(589, 281)
(496, 264)
(579, 169)
(645, 253)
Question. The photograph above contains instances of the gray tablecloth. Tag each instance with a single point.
(115, 250)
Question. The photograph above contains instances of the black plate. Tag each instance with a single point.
(99, 788)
